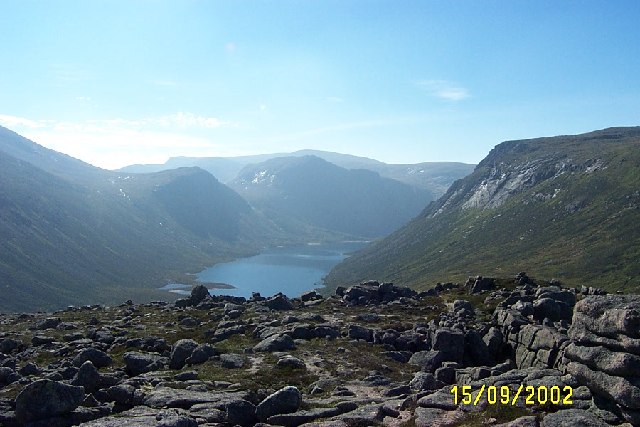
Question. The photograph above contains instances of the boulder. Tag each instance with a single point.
(232, 360)
(8, 345)
(480, 284)
(425, 381)
(612, 321)
(358, 332)
(139, 363)
(8, 376)
(48, 323)
(279, 302)
(87, 377)
(622, 391)
(290, 362)
(44, 399)
(428, 361)
(476, 351)
(602, 359)
(283, 401)
(98, 358)
(548, 308)
(451, 343)
(572, 418)
(201, 354)
(556, 293)
(180, 352)
(198, 293)
(277, 342)
(494, 341)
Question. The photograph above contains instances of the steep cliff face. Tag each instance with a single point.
(563, 206)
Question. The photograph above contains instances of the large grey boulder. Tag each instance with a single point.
(428, 361)
(201, 354)
(476, 351)
(198, 293)
(494, 341)
(451, 343)
(87, 377)
(99, 358)
(602, 359)
(573, 418)
(556, 293)
(612, 321)
(277, 342)
(548, 308)
(283, 401)
(279, 302)
(46, 399)
(424, 381)
(140, 363)
(622, 391)
(180, 352)
(358, 332)
(8, 376)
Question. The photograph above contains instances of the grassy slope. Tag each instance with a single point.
(588, 233)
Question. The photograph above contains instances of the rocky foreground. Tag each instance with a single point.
(373, 354)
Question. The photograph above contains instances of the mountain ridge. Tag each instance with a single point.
(76, 234)
(308, 188)
(432, 176)
(564, 206)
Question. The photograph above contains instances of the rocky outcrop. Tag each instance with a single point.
(605, 351)
(374, 354)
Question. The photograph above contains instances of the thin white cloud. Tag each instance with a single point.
(180, 119)
(444, 89)
(113, 143)
(21, 122)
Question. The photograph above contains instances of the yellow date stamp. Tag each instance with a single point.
(505, 395)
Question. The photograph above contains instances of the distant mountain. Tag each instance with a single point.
(74, 234)
(566, 207)
(434, 177)
(314, 191)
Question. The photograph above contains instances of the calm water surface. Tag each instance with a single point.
(291, 270)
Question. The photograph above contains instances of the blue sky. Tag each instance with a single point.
(137, 81)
